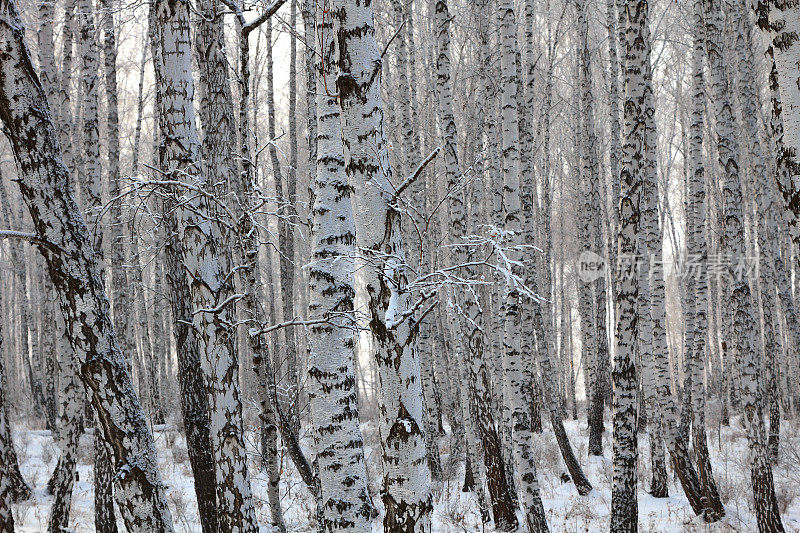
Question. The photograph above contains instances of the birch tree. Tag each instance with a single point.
(334, 404)
(9, 459)
(393, 323)
(697, 286)
(72, 264)
(624, 502)
(743, 326)
(201, 235)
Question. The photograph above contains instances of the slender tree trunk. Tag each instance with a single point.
(697, 286)
(253, 311)
(286, 242)
(92, 190)
(9, 459)
(594, 293)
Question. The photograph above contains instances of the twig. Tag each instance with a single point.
(386, 48)
(30, 237)
(413, 177)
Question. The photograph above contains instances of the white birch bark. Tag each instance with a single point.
(653, 240)
(71, 396)
(697, 286)
(8, 457)
(624, 502)
(334, 405)
(516, 373)
(201, 235)
(744, 322)
(406, 485)
(478, 341)
(44, 182)
(593, 295)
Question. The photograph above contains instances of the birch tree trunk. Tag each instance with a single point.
(766, 226)
(92, 192)
(675, 440)
(9, 459)
(697, 286)
(71, 395)
(74, 270)
(785, 168)
(253, 310)
(286, 240)
(334, 404)
(499, 492)
(744, 324)
(782, 28)
(19, 489)
(406, 485)
(516, 369)
(202, 235)
(593, 303)
(624, 501)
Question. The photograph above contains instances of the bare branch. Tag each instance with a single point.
(413, 177)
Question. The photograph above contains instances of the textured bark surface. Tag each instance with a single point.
(346, 504)
(19, 488)
(780, 21)
(191, 380)
(624, 502)
(744, 322)
(72, 265)
(517, 367)
(406, 483)
(697, 286)
(477, 353)
(204, 260)
(8, 459)
(594, 295)
(71, 396)
(675, 439)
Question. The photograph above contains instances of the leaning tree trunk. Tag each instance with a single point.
(406, 485)
(73, 267)
(744, 321)
(624, 501)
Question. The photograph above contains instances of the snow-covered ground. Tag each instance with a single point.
(455, 511)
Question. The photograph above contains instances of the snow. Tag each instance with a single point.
(454, 511)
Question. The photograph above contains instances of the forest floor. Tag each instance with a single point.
(455, 511)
